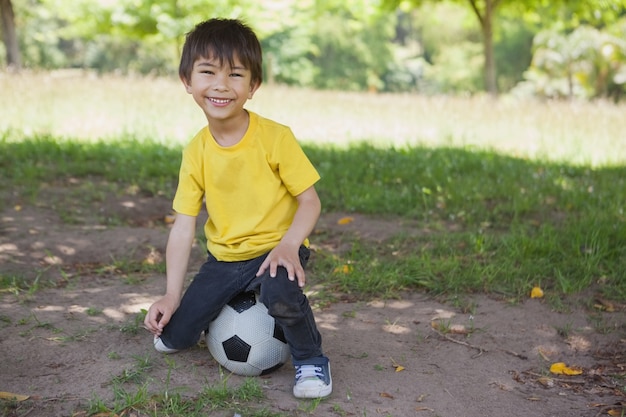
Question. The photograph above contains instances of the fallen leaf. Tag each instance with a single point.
(617, 413)
(458, 329)
(536, 292)
(344, 269)
(605, 305)
(396, 365)
(345, 220)
(14, 397)
(560, 368)
(17, 207)
(386, 395)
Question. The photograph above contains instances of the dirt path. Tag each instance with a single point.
(64, 346)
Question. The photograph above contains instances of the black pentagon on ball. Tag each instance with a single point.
(242, 302)
(278, 333)
(236, 349)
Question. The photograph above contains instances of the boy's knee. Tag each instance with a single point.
(288, 313)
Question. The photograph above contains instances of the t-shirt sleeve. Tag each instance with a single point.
(295, 169)
(190, 190)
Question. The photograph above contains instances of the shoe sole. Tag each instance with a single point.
(314, 392)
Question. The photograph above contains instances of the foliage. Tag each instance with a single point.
(429, 46)
(488, 13)
(323, 44)
(585, 63)
(332, 45)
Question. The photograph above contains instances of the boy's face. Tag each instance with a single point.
(219, 89)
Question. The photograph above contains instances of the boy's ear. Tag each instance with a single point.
(186, 83)
(253, 87)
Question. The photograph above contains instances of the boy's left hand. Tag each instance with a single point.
(286, 256)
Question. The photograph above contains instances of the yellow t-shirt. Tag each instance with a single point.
(249, 188)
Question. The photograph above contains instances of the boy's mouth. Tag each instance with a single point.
(219, 101)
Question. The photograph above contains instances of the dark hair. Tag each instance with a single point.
(222, 39)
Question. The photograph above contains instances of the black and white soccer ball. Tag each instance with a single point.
(245, 339)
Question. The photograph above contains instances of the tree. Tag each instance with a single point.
(486, 11)
(586, 63)
(9, 35)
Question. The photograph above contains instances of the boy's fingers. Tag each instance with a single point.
(165, 318)
(262, 268)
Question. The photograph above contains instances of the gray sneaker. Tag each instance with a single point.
(313, 380)
(160, 346)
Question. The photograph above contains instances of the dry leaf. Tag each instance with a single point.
(345, 220)
(396, 365)
(458, 329)
(386, 395)
(617, 413)
(605, 305)
(536, 292)
(560, 368)
(344, 269)
(14, 397)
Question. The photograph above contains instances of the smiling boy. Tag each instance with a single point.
(258, 187)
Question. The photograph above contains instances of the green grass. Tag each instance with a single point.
(245, 399)
(497, 224)
(503, 224)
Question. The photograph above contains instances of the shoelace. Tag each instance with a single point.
(309, 371)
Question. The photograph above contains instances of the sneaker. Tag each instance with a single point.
(160, 346)
(313, 380)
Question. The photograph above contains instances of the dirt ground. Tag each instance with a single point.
(63, 346)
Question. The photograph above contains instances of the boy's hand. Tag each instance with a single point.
(160, 314)
(284, 255)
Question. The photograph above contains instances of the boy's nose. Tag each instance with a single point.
(220, 83)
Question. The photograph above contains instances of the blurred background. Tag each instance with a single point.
(535, 48)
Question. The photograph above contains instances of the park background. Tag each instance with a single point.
(449, 168)
(530, 48)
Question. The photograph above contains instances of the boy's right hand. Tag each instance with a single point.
(159, 314)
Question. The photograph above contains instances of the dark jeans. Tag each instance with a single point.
(218, 282)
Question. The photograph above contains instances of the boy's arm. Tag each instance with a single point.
(285, 254)
(176, 261)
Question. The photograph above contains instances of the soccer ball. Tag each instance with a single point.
(245, 339)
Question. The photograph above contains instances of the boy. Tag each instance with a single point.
(258, 187)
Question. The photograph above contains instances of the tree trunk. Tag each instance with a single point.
(485, 18)
(9, 35)
(490, 63)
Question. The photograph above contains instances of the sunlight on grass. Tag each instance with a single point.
(82, 106)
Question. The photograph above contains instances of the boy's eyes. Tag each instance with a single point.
(233, 74)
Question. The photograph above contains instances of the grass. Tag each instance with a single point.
(503, 195)
(245, 399)
(497, 224)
